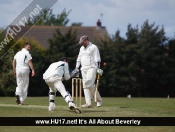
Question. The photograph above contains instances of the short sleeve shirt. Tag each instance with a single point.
(22, 58)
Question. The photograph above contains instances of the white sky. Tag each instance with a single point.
(117, 14)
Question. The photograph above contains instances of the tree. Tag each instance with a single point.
(169, 70)
(46, 17)
(151, 58)
(135, 64)
(111, 52)
(7, 80)
(63, 45)
(6, 74)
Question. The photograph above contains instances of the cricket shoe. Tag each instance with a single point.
(73, 107)
(21, 103)
(99, 103)
(77, 111)
(51, 106)
(17, 99)
(87, 106)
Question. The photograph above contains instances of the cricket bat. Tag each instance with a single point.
(97, 85)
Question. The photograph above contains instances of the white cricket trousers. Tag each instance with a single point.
(55, 83)
(22, 79)
(89, 77)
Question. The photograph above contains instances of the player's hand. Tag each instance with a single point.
(99, 71)
(33, 73)
(75, 73)
(62, 79)
(14, 74)
(77, 70)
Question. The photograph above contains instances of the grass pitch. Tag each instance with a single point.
(112, 107)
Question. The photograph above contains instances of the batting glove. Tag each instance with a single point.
(99, 71)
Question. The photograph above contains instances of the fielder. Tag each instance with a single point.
(89, 59)
(21, 63)
(53, 76)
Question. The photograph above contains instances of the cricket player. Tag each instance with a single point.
(89, 59)
(53, 76)
(22, 63)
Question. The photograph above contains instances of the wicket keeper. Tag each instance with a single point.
(53, 76)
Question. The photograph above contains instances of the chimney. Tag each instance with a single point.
(98, 23)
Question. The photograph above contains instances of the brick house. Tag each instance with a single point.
(43, 33)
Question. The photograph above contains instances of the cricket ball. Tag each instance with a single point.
(104, 64)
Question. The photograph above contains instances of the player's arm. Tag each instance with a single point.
(32, 67)
(66, 72)
(78, 59)
(97, 57)
(14, 67)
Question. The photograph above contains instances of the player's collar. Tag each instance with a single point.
(88, 45)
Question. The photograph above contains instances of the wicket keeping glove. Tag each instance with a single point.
(75, 73)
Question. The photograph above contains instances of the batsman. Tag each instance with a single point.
(89, 59)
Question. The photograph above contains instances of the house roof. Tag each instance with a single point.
(43, 33)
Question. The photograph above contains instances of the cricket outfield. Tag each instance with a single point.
(112, 107)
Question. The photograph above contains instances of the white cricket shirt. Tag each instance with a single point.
(59, 68)
(22, 57)
(89, 56)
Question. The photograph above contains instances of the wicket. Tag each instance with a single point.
(77, 84)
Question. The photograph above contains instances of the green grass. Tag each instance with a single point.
(112, 107)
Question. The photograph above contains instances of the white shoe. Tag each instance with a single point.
(51, 106)
(99, 103)
(87, 106)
